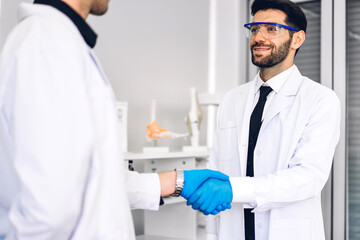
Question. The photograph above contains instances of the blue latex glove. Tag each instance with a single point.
(213, 196)
(194, 178)
(219, 208)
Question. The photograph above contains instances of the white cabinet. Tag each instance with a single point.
(174, 220)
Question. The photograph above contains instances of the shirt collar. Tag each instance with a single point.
(85, 30)
(275, 82)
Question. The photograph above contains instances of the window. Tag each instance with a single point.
(308, 57)
(353, 117)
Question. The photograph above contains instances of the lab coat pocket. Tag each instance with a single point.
(227, 141)
(294, 229)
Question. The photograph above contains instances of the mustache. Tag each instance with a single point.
(261, 45)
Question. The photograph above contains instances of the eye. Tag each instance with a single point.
(254, 29)
(272, 28)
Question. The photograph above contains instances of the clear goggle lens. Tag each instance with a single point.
(268, 31)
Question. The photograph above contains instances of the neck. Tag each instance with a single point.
(78, 6)
(267, 73)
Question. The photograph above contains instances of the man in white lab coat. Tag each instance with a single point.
(61, 172)
(276, 137)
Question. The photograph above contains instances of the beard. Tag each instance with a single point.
(99, 8)
(275, 57)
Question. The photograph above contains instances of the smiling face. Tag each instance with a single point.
(268, 53)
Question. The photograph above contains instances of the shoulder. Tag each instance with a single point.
(318, 100)
(44, 49)
(42, 34)
(317, 92)
(237, 93)
(44, 40)
(233, 101)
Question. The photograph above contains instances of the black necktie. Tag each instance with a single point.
(255, 124)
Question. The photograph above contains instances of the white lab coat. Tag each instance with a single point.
(62, 175)
(292, 160)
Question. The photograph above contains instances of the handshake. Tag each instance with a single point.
(208, 191)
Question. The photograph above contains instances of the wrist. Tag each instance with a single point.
(179, 182)
(167, 183)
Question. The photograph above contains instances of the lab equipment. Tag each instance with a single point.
(154, 132)
(193, 121)
(194, 117)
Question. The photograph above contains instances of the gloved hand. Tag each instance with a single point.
(194, 178)
(219, 208)
(212, 196)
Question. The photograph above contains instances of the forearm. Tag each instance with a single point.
(167, 182)
(278, 189)
(145, 189)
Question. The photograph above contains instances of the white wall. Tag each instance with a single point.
(154, 49)
(8, 17)
(148, 49)
(230, 43)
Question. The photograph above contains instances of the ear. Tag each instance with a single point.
(298, 39)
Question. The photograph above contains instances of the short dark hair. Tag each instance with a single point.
(295, 17)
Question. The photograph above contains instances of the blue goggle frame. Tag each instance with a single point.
(270, 23)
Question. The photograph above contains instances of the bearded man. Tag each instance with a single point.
(276, 137)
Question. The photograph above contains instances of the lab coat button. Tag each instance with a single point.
(260, 225)
(258, 152)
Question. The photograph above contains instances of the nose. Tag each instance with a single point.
(259, 37)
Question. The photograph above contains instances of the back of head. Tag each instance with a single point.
(295, 16)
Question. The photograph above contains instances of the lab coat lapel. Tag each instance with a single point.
(284, 98)
(243, 123)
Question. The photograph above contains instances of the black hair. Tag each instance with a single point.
(295, 17)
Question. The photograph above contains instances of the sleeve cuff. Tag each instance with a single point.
(152, 189)
(243, 189)
(144, 190)
(161, 201)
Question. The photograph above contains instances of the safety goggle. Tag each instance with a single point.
(268, 30)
